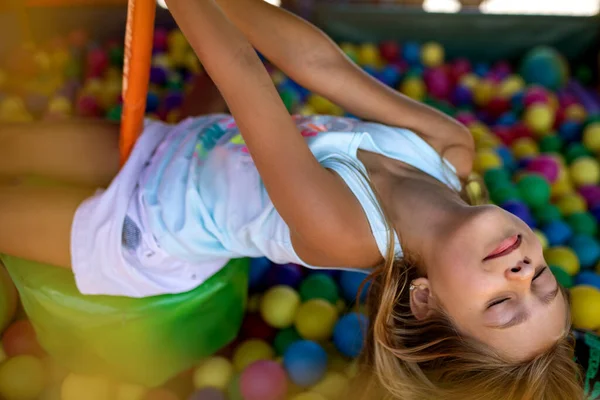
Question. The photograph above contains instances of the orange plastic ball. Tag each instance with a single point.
(20, 338)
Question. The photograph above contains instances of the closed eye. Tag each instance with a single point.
(500, 301)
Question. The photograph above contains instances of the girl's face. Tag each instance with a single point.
(491, 278)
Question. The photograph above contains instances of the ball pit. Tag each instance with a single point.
(537, 149)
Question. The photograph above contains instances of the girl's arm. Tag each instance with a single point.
(312, 59)
(327, 224)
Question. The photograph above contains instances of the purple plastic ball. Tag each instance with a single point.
(545, 166)
(173, 100)
(158, 75)
(520, 210)
(284, 274)
(591, 194)
(462, 96)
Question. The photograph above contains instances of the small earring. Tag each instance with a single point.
(412, 287)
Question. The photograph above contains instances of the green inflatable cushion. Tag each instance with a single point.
(145, 341)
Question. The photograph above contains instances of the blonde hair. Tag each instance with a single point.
(410, 359)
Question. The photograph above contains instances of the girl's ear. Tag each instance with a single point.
(420, 298)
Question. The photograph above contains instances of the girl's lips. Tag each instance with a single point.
(506, 247)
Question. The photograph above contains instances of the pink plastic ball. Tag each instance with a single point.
(438, 83)
(97, 62)
(389, 50)
(161, 41)
(465, 117)
(535, 94)
(460, 67)
(591, 194)
(545, 166)
(263, 380)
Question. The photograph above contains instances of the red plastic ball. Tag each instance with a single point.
(498, 106)
(505, 134)
(520, 130)
(460, 67)
(20, 338)
(97, 62)
(254, 327)
(389, 50)
(87, 107)
(559, 118)
(161, 39)
(535, 94)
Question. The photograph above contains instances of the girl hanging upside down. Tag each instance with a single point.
(462, 303)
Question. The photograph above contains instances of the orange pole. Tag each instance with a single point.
(136, 71)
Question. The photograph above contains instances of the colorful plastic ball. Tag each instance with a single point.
(547, 213)
(250, 351)
(263, 380)
(498, 106)
(87, 106)
(550, 144)
(258, 269)
(279, 306)
(539, 118)
(414, 88)
(316, 319)
(562, 277)
(583, 223)
(284, 274)
(496, 176)
(389, 50)
(368, 54)
(534, 189)
(285, 338)
(588, 278)
(254, 327)
(502, 193)
(432, 54)
(305, 362)
(510, 86)
(411, 52)
(486, 159)
(524, 148)
(545, 166)
(507, 157)
(350, 284)
(319, 286)
(542, 238)
(586, 248)
(213, 372)
(20, 338)
(520, 210)
(350, 333)
(332, 386)
(207, 394)
(591, 137)
(545, 66)
(575, 151)
(585, 171)
(461, 96)
(571, 203)
(591, 194)
(570, 131)
(557, 232)
(585, 307)
(77, 387)
(22, 378)
(564, 258)
(484, 91)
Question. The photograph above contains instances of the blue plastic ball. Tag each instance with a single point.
(370, 70)
(349, 334)
(152, 102)
(586, 248)
(411, 52)
(284, 274)
(305, 362)
(570, 131)
(350, 282)
(507, 119)
(462, 96)
(521, 210)
(390, 75)
(558, 232)
(258, 269)
(508, 160)
(587, 278)
(481, 69)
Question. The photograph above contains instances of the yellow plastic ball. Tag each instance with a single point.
(576, 112)
(320, 104)
(77, 387)
(414, 88)
(279, 306)
(591, 137)
(22, 378)
(484, 92)
(162, 60)
(524, 148)
(585, 307)
(478, 130)
(469, 81)
(176, 41)
(332, 386)
(585, 171)
(539, 118)
(487, 141)
(368, 55)
(250, 351)
(307, 110)
(308, 396)
(486, 159)
(511, 85)
(316, 319)
(214, 372)
(432, 54)
(130, 391)
(563, 257)
(571, 203)
(542, 238)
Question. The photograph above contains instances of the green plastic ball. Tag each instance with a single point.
(547, 213)
(551, 144)
(114, 114)
(504, 192)
(534, 189)
(284, 339)
(562, 276)
(583, 222)
(496, 177)
(575, 151)
(319, 286)
(290, 99)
